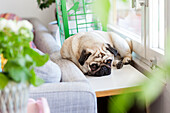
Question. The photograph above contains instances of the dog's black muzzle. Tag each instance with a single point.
(104, 70)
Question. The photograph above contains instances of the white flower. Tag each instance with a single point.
(23, 31)
(2, 24)
(24, 24)
(15, 26)
(12, 25)
(27, 35)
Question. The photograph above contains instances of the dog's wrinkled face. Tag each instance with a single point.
(97, 61)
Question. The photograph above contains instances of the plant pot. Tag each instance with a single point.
(14, 98)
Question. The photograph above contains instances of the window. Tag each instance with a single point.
(144, 22)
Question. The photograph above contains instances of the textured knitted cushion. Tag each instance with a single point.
(10, 16)
(49, 72)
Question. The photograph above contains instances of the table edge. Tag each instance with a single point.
(112, 92)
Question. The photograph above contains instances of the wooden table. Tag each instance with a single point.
(127, 77)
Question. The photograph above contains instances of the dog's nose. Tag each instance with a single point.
(106, 70)
(103, 71)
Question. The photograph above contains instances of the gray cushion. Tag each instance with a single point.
(38, 26)
(49, 72)
(45, 42)
(70, 72)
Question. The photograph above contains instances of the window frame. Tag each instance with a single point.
(152, 53)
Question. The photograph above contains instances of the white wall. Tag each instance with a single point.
(28, 8)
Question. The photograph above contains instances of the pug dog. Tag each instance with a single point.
(95, 52)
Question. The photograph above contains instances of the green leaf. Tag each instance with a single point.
(20, 61)
(167, 53)
(45, 4)
(16, 72)
(29, 61)
(101, 9)
(40, 60)
(3, 81)
(36, 81)
(38, 1)
(121, 103)
(124, 0)
(1, 50)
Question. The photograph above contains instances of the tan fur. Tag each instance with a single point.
(95, 43)
(129, 43)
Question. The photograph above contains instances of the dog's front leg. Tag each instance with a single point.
(127, 59)
(118, 64)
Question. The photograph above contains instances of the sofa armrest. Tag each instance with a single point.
(69, 71)
(67, 97)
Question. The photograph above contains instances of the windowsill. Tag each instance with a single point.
(140, 65)
(124, 33)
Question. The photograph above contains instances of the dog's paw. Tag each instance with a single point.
(126, 60)
(119, 65)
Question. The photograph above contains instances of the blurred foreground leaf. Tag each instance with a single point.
(152, 88)
(101, 9)
(40, 60)
(3, 81)
(121, 103)
(124, 0)
(36, 81)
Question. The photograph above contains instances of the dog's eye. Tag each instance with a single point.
(94, 67)
(108, 61)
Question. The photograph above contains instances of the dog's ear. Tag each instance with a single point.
(83, 57)
(111, 49)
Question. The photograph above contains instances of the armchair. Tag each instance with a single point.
(74, 93)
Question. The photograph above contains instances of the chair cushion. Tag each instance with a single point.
(50, 72)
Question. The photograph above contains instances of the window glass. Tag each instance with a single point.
(127, 16)
(157, 24)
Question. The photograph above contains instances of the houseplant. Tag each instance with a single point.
(44, 3)
(18, 72)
